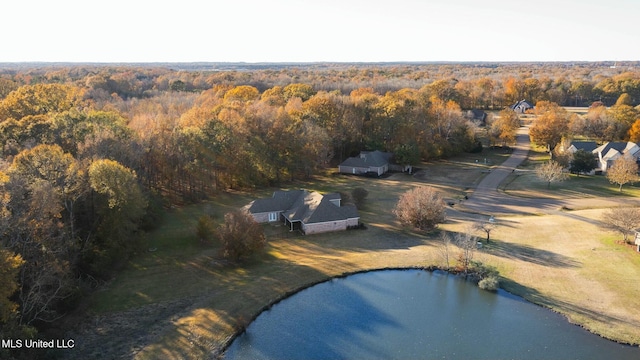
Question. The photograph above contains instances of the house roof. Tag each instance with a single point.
(477, 114)
(280, 201)
(588, 146)
(612, 149)
(521, 106)
(368, 159)
(304, 206)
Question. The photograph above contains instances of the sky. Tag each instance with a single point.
(318, 31)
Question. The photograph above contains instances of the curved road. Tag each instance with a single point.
(487, 199)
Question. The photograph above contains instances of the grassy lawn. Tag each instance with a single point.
(180, 301)
(525, 183)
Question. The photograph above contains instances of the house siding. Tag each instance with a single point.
(264, 217)
(352, 169)
(339, 225)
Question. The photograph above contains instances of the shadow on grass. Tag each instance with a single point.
(529, 254)
(207, 323)
(564, 307)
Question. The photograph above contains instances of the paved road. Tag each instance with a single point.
(487, 199)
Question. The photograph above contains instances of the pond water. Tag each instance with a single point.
(415, 314)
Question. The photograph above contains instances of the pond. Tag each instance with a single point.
(415, 314)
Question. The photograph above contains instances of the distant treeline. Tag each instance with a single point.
(484, 85)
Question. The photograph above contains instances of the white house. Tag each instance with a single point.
(611, 151)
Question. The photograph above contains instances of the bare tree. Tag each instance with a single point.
(624, 170)
(550, 172)
(421, 207)
(445, 249)
(486, 226)
(467, 244)
(622, 220)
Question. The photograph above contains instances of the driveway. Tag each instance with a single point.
(487, 199)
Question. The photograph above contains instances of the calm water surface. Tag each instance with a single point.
(413, 314)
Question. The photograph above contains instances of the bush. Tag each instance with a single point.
(359, 195)
(206, 229)
(241, 236)
(421, 207)
(490, 283)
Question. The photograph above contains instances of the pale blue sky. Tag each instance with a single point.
(329, 30)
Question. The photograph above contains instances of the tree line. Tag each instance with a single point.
(471, 85)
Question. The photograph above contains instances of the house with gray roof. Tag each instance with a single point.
(521, 107)
(611, 151)
(310, 212)
(477, 116)
(587, 146)
(372, 162)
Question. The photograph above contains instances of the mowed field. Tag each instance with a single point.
(180, 301)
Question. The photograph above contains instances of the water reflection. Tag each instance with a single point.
(399, 314)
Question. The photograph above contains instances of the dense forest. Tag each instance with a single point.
(90, 154)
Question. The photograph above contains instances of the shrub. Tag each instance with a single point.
(240, 235)
(490, 283)
(421, 207)
(205, 230)
(359, 195)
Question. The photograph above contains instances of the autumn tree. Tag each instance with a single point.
(624, 170)
(120, 205)
(622, 220)
(595, 124)
(302, 91)
(240, 235)
(551, 172)
(624, 99)
(505, 126)
(550, 125)
(421, 207)
(41, 188)
(622, 118)
(9, 269)
(634, 132)
(38, 99)
(243, 94)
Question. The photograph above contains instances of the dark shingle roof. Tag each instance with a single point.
(368, 158)
(304, 206)
(588, 146)
(521, 106)
(280, 201)
(606, 148)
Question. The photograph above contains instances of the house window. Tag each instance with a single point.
(273, 216)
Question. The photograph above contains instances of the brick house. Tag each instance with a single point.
(309, 212)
